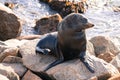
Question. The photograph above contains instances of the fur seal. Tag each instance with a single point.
(69, 42)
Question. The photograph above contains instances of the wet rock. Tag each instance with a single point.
(48, 24)
(75, 70)
(116, 62)
(12, 59)
(2, 77)
(10, 26)
(30, 76)
(104, 48)
(13, 67)
(7, 51)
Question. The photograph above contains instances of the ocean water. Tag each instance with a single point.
(100, 12)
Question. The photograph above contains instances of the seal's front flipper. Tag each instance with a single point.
(58, 61)
(87, 61)
(54, 64)
(43, 51)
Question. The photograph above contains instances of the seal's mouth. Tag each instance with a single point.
(89, 25)
(86, 26)
(79, 30)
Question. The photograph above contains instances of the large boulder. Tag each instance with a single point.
(104, 48)
(73, 69)
(48, 24)
(10, 26)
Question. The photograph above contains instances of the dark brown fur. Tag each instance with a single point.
(70, 41)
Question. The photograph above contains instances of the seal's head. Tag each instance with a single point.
(74, 21)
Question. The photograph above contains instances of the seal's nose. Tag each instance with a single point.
(89, 25)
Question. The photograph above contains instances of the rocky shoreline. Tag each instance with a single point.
(18, 57)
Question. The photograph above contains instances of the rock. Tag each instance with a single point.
(30, 76)
(116, 62)
(101, 77)
(116, 41)
(12, 59)
(2, 77)
(48, 24)
(28, 37)
(14, 42)
(4, 8)
(106, 56)
(10, 26)
(12, 67)
(67, 7)
(116, 77)
(8, 72)
(10, 5)
(93, 78)
(7, 51)
(75, 70)
(104, 48)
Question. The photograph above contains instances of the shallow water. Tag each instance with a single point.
(107, 22)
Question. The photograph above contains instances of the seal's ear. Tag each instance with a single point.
(89, 25)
